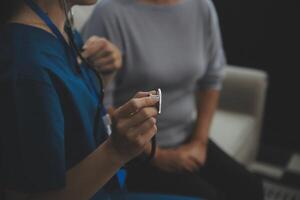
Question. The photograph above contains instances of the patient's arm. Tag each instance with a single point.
(191, 156)
(207, 103)
(194, 152)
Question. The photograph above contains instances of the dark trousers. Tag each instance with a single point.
(220, 178)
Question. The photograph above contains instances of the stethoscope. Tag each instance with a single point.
(76, 52)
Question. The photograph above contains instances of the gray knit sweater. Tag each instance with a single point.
(177, 48)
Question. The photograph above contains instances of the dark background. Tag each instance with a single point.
(264, 34)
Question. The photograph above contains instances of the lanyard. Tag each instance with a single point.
(86, 76)
(61, 38)
(101, 111)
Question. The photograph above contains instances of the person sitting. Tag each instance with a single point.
(175, 45)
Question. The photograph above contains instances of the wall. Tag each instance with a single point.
(263, 34)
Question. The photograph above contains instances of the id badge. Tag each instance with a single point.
(107, 122)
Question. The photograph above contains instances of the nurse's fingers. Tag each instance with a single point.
(111, 65)
(106, 70)
(132, 142)
(141, 116)
(144, 94)
(107, 64)
(102, 62)
(94, 41)
(91, 50)
(91, 40)
(93, 46)
(145, 132)
(105, 52)
(133, 106)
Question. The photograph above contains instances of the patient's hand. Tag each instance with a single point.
(194, 152)
(187, 158)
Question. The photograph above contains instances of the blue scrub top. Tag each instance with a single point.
(47, 111)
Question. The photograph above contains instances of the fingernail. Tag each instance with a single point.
(153, 92)
(155, 120)
(156, 97)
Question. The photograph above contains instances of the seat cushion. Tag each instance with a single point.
(231, 131)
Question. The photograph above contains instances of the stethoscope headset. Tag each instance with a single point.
(76, 53)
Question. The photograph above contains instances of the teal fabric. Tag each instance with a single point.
(47, 111)
(149, 197)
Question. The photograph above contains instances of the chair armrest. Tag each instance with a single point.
(244, 90)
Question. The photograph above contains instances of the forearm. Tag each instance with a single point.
(132, 133)
(83, 180)
(207, 103)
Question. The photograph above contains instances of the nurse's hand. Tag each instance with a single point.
(135, 125)
(104, 56)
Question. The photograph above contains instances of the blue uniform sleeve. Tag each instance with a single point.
(32, 137)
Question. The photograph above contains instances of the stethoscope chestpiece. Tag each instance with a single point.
(158, 95)
(160, 100)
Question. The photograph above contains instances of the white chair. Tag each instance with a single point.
(237, 123)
